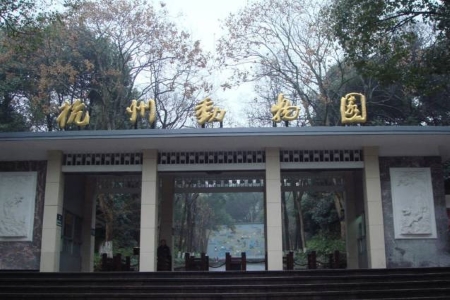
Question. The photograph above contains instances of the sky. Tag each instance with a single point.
(202, 18)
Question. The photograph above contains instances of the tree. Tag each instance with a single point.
(284, 41)
(57, 65)
(377, 37)
(243, 207)
(21, 25)
(10, 82)
(412, 94)
(19, 16)
(196, 216)
(267, 91)
(162, 61)
(386, 104)
(105, 53)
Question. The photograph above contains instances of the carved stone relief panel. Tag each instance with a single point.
(17, 205)
(412, 202)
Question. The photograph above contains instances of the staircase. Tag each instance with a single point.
(423, 283)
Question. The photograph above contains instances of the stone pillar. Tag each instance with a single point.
(166, 212)
(149, 211)
(88, 243)
(274, 225)
(53, 206)
(376, 254)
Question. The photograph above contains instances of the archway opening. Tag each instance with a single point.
(218, 214)
(316, 211)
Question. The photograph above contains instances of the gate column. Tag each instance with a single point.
(88, 243)
(274, 230)
(149, 211)
(373, 207)
(53, 207)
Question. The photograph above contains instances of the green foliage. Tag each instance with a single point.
(58, 64)
(10, 120)
(17, 15)
(325, 244)
(134, 260)
(403, 46)
(25, 20)
(320, 214)
(126, 222)
(415, 94)
(94, 51)
(122, 218)
(97, 262)
(382, 28)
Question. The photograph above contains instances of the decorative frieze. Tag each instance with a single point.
(219, 183)
(222, 157)
(311, 182)
(211, 160)
(321, 159)
(321, 156)
(102, 159)
(102, 162)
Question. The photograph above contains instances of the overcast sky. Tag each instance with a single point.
(201, 19)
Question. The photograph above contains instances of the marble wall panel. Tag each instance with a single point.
(416, 252)
(25, 255)
(17, 202)
(413, 205)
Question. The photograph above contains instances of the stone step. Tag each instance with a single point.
(169, 283)
(407, 288)
(317, 295)
(426, 283)
(232, 274)
(213, 278)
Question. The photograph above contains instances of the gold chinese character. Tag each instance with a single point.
(206, 113)
(152, 111)
(62, 118)
(76, 112)
(351, 110)
(284, 110)
(134, 108)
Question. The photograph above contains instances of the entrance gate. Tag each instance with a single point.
(317, 208)
(217, 172)
(97, 209)
(216, 214)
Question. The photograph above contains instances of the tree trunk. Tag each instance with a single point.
(188, 243)
(107, 208)
(339, 204)
(193, 226)
(287, 241)
(191, 203)
(298, 206)
(182, 223)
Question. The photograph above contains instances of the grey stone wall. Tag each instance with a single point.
(26, 255)
(403, 253)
